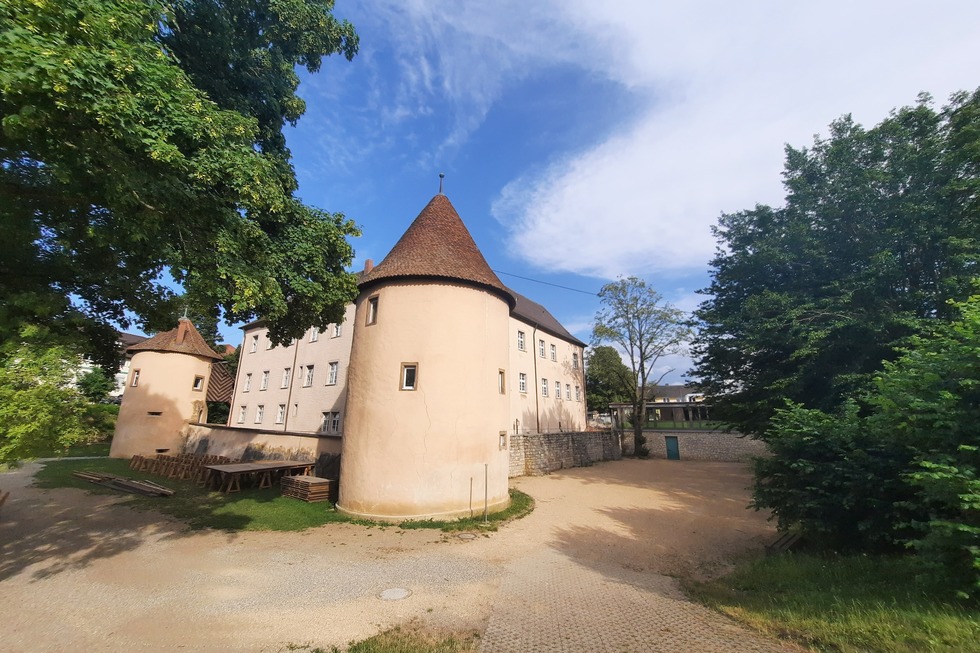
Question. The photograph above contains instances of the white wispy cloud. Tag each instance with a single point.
(727, 85)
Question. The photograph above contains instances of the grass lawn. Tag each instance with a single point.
(844, 603)
(407, 639)
(248, 510)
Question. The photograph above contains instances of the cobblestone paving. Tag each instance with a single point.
(550, 604)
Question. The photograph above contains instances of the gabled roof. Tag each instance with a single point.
(538, 316)
(437, 245)
(183, 340)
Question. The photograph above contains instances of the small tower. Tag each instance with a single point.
(427, 402)
(166, 388)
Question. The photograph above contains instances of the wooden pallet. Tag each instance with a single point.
(146, 488)
(309, 488)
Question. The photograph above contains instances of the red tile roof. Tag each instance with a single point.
(437, 245)
(184, 339)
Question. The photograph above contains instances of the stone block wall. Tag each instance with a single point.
(533, 455)
(706, 445)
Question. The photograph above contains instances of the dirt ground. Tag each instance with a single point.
(80, 572)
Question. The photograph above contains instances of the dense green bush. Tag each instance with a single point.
(904, 473)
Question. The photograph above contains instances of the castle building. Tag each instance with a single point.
(436, 365)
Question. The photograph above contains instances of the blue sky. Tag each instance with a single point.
(584, 140)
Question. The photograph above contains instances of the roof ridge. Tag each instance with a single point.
(182, 339)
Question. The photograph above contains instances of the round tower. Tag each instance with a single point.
(427, 409)
(166, 388)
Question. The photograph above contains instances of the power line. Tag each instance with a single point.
(548, 283)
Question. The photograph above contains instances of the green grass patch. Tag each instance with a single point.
(845, 603)
(520, 505)
(408, 639)
(249, 510)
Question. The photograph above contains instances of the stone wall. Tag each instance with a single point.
(705, 445)
(254, 444)
(533, 455)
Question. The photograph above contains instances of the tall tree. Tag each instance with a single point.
(638, 321)
(607, 379)
(879, 230)
(144, 137)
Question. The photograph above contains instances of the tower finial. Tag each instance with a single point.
(185, 311)
(442, 175)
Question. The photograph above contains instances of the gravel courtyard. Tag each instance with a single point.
(591, 569)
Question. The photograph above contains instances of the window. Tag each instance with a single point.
(501, 382)
(308, 379)
(314, 335)
(280, 413)
(286, 373)
(255, 344)
(522, 382)
(372, 312)
(578, 393)
(558, 390)
(329, 422)
(541, 348)
(248, 382)
(265, 380)
(520, 340)
(332, 373)
(568, 392)
(259, 413)
(268, 344)
(242, 410)
(410, 374)
(337, 330)
(554, 353)
(575, 360)
(198, 383)
(136, 378)
(544, 387)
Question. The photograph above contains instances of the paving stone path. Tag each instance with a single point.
(591, 569)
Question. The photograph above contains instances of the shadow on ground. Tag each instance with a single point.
(65, 529)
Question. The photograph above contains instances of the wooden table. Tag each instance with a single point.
(230, 475)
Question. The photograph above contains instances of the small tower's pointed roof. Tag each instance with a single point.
(437, 245)
(184, 339)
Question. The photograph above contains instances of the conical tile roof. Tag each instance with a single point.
(185, 339)
(437, 245)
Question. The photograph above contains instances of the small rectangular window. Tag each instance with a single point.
(259, 413)
(286, 373)
(329, 422)
(265, 380)
(557, 389)
(502, 440)
(332, 373)
(575, 360)
(568, 391)
(308, 379)
(410, 372)
(522, 382)
(520, 340)
(255, 344)
(372, 312)
(242, 410)
(314, 334)
(268, 343)
(281, 413)
(248, 382)
(136, 378)
(578, 393)
(501, 382)
(541, 348)
(544, 387)
(198, 383)
(337, 330)
(554, 353)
